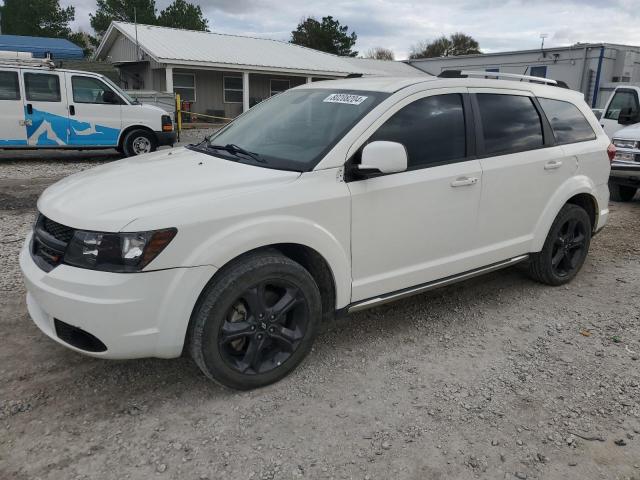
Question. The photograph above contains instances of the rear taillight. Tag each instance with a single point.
(611, 151)
(167, 124)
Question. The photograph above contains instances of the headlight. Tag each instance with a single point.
(116, 252)
(624, 143)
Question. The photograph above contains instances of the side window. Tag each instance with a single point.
(9, 86)
(567, 122)
(431, 129)
(90, 90)
(42, 87)
(510, 123)
(622, 100)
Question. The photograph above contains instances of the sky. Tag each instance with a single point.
(498, 25)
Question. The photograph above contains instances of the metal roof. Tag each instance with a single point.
(384, 67)
(40, 46)
(187, 47)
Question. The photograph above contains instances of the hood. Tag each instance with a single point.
(109, 197)
(632, 132)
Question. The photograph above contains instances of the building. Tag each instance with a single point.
(594, 69)
(220, 75)
(41, 47)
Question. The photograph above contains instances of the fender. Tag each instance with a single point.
(240, 238)
(571, 187)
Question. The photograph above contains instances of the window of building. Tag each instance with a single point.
(278, 86)
(622, 100)
(88, 90)
(42, 87)
(232, 89)
(510, 123)
(9, 86)
(184, 84)
(493, 69)
(567, 122)
(432, 130)
(539, 71)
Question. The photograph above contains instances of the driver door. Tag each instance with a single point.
(419, 225)
(95, 112)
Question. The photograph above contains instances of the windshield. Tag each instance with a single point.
(121, 92)
(295, 129)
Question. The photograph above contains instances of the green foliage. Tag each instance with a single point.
(38, 18)
(327, 36)
(454, 45)
(181, 14)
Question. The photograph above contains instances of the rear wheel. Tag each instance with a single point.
(621, 193)
(256, 322)
(565, 248)
(138, 142)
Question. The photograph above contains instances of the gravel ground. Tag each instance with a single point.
(497, 377)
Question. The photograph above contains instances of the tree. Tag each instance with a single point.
(456, 44)
(38, 18)
(181, 14)
(122, 10)
(380, 53)
(327, 36)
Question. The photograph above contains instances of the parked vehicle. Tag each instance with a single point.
(622, 109)
(326, 199)
(45, 107)
(624, 181)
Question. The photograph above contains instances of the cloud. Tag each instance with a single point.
(496, 24)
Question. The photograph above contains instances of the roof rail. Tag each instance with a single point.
(514, 76)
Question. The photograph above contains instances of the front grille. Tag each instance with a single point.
(50, 240)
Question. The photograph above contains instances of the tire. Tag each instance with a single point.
(138, 142)
(621, 193)
(565, 248)
(238, 338)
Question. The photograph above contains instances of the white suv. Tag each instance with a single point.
(325, 199)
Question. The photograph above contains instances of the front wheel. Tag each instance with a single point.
(565, 248)
(255, 323)
(621, 193)
(138, 142)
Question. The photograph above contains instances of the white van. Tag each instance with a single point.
(45, 107)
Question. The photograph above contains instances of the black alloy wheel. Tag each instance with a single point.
(569, 247)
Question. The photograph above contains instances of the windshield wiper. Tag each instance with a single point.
(235, 150)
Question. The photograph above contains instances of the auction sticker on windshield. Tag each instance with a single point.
(347, 98)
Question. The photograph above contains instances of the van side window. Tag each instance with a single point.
(89, 90)
(510, 123)
(42, 87)
(9, 86)
(567, 122)
(622, 100)
(431, 129)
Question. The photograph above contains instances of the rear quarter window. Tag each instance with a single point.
(9, 86)
(567, 122)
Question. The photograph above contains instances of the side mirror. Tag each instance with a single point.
(110, 97)
(627, 116)
(385, 157)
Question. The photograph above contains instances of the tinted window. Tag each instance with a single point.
(88, 90)
(431, 129)
(42, 87)
(509, 123)
(9, 87)
(622, 100)
(567, 122)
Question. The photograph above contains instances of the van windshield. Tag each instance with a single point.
(293, 130)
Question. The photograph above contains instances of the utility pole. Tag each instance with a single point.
(135, 23)
(543, 36)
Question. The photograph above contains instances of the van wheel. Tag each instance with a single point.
(138, 142)
(256, 322)
(565, 248)
(621, 193)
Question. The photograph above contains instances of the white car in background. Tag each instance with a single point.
(326, 199)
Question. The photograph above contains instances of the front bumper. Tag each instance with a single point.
(134, 315)
(629, 171)
(165, 138)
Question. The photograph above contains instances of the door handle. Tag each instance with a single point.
(464, 181)
(552, 165)
(72, 110)
(29, 109)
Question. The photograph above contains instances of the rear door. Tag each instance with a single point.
(522, 168)
(622, 100)
(95, 111)
(45, 103)
(12, 132)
